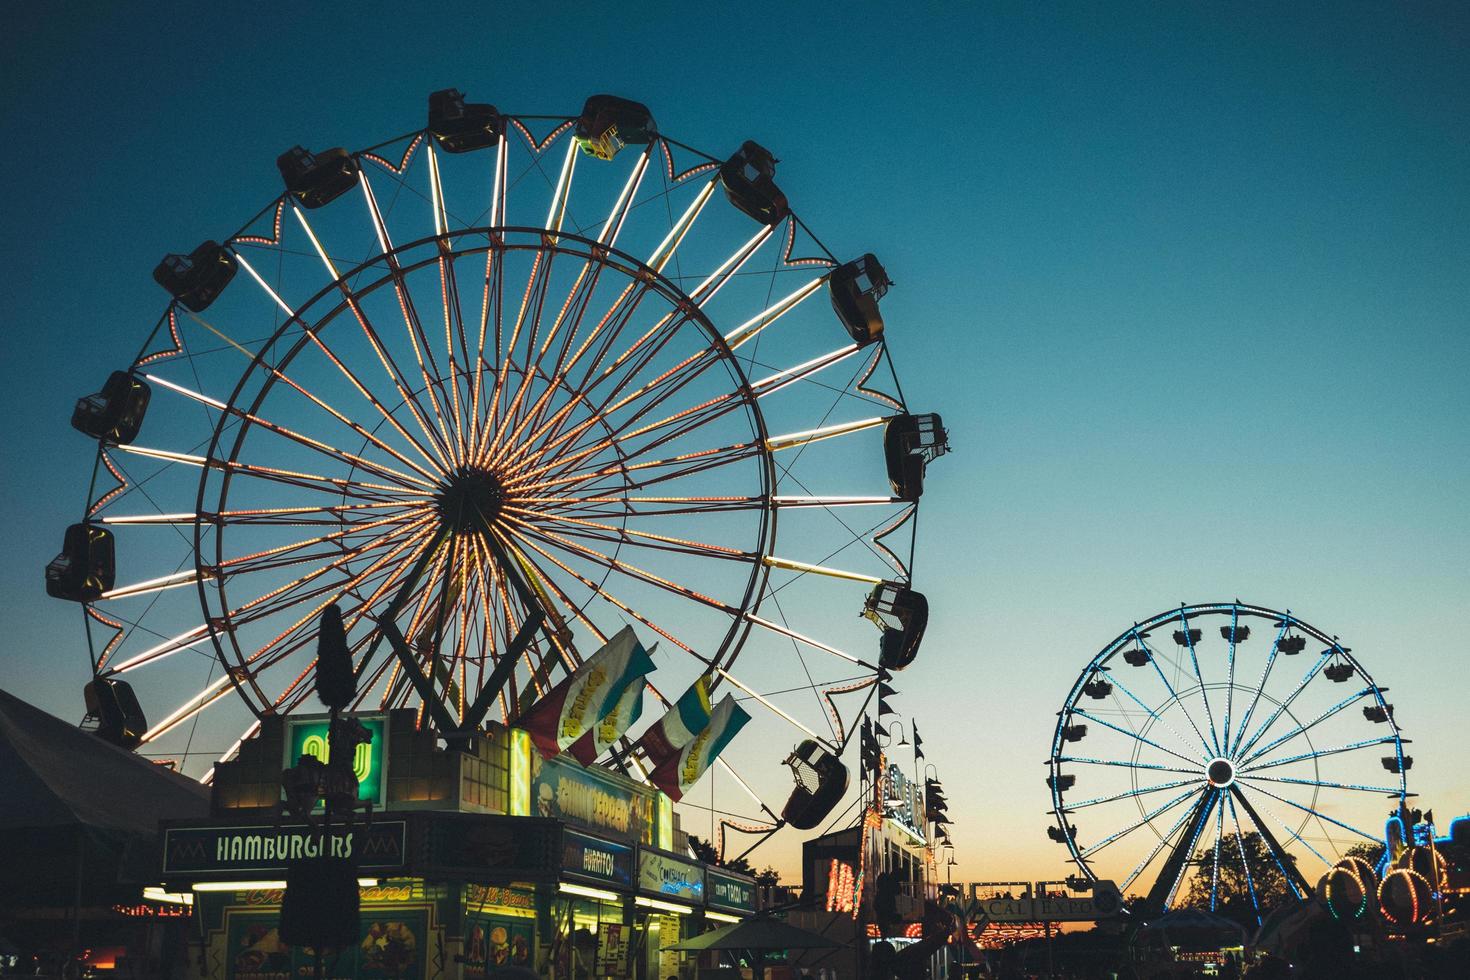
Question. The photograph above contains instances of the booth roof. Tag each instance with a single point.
(57, 776)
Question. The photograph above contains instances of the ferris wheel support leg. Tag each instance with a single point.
(1158, 895)
(401, 599)
(422, 684)
(1292, 871)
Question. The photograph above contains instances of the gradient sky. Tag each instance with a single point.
(1189, 282)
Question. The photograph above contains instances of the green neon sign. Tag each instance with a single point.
(308, 736)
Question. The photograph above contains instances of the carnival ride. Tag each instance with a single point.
(496, 388)
(1191, 728)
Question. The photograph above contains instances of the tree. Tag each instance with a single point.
(769, 877)
(704, 851)
(1370, 851)
(1232, 890)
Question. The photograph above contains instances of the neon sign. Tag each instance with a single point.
(309, 736)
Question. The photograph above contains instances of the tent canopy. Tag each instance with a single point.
(761, 932)
(57, 776)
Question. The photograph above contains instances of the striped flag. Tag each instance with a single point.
(581, 700)
(675, 775)
(687, 718)
(615, 720)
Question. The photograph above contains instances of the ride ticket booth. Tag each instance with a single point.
(472, 859)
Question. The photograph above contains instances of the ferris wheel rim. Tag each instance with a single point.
(495, 238)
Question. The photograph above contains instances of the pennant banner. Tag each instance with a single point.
(688, 717)
(589, 694)
(678, 773)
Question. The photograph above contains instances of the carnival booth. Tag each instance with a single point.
(473, 858)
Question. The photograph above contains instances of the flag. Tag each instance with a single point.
(615, 721)
(918, 743)
(677, 728)
(586, 696)
(676, 774)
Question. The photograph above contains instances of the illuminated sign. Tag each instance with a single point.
(205, 851)
(728, 891)
(903, 801)
(591, 798)
(666, 875)
(592, 857)
(841, 881)
(307, 735)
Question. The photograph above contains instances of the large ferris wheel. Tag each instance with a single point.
(497, 388)
(1222, 740)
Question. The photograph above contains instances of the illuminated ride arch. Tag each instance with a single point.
(497, 388)
(1230, 729)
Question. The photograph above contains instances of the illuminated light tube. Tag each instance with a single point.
(721, 917)
(653, 903)
(817, 435)
(584, 891)
(249, 886)
(792, 565)
(155, 894)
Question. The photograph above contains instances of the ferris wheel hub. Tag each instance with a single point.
(470, 499)
(1220, 773)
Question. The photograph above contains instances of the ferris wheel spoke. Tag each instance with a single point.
(1118, 683)
(1303, 728)
(1294, 878)
(1133, 735)
(186, 640)
(1325, 784)
(663, 253)
(291, 555)
(413, 327)
(1219, 836)
(1133, 793)
(436, 455)
(792, 634)
(175, 580)
(333, 514)
(618, 535)
(1208, 804)
(314, 333)
(1319, 815)
(1203, 693)
(1286, 703)
(315, 444)
(1229, 689)
(1157, 849)
(1261, 684)
(616, 505)
(1190, 793)
(1126, 765)
(1153, 659)
(632, 571)
(285, 595)
(1319, 753)
(601, 592)
(335, 485)
(212, 693)
(1250, 884)
(753, 327)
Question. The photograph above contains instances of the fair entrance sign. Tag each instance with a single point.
(985, 902)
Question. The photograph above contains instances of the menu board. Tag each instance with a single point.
(494, 941)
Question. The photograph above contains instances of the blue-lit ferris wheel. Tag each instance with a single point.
(1222, 745)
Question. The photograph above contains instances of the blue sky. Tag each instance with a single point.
(1187, 282)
